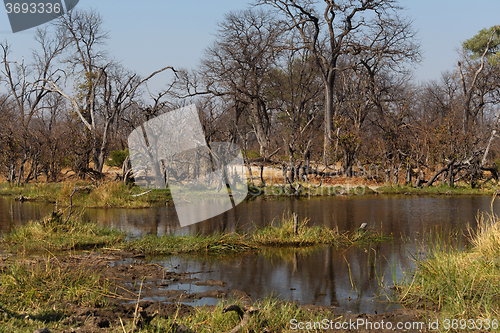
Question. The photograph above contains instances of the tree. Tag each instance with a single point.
(477, 45)
(295, 95)
(28, 98)
(483, 47)
(104, 89)
(329, 36)
(238, 64)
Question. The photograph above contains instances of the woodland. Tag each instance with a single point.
(320, 87)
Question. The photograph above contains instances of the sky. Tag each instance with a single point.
(151, 34)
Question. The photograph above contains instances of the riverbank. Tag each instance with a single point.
(89, 293)
(99, 280)
(117, 195)
(458, 189)
(65, 273)
(108, 194)
(70, 275)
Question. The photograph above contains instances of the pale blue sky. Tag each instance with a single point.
(150, 34)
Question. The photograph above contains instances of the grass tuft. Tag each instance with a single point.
(31, 285)
(272, 315)
(461, 284)
(105, 194)
(54, 233)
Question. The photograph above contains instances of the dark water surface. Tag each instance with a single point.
(355, 279)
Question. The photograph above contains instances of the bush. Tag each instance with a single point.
(252, 154)
(117, 158)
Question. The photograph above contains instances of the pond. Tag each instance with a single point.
(356, 279)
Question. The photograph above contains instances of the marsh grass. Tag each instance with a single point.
(273, 316)
(282, 234)
(461, 284)
(279, 234)
(31, 285)
(458, 189)
(105, 194)
(56, 233)
(169, 244)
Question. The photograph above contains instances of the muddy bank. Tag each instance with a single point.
(140, 292)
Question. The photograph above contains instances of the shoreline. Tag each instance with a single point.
(117, 195)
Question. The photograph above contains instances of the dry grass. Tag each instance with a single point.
(461, 284)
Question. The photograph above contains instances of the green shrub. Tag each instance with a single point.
(117, 158)
(252, 154)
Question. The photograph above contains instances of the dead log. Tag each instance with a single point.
(493, 169)
(438, 173)
(77, 189)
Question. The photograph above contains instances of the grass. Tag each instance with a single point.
(279, 235)
(106, 194)
(459, 189)
(169, 244)
(308, 190)
(459, 284)
(36, 292)
(273, 315)
(54, 233)
(32, 284)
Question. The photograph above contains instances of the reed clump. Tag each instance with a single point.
(57, 232)
(460, 284)
(31, 284)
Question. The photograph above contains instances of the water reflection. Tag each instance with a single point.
(354, 279)
(402, 216)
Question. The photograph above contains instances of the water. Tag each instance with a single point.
(356, 279)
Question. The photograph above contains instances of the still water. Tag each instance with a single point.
(355, 279)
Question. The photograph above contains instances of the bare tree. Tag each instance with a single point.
(106, 89)
(238, 65)
(28, 97)
(469, 86)
(337, 31)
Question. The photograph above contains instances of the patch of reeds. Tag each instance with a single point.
(268, 315)
(56, 232)
(169, 244)
(104, 194)
(31, 285)
(460, 284)
(279, 234)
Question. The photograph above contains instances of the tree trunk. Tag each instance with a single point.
(492, 136)
(395, 176)
(451, 174)
(261, 126)
(329, 92)
(408, 174)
